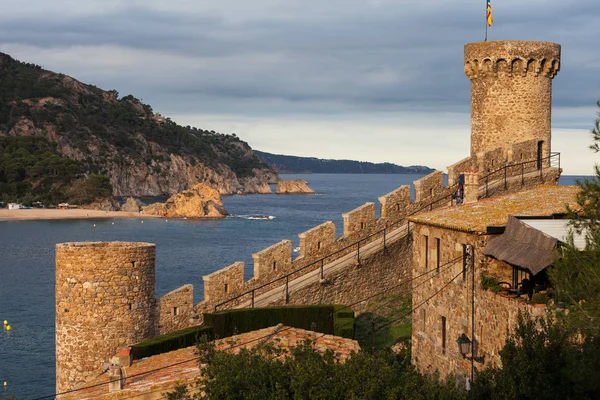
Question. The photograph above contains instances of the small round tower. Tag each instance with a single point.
(511, 93)
(104, 300)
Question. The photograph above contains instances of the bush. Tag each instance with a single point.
(171, 341)
(489, 282)
(539, 298)
(330, 319)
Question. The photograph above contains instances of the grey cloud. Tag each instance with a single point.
(399, 54)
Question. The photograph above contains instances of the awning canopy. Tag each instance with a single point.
(523, 246)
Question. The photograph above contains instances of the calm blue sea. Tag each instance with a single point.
(186, 250)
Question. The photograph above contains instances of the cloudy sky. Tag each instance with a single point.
(372, 80)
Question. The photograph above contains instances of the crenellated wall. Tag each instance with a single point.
(219, 284)
(315, 241)
(523, 151)
(429, 186)
(393, 205)
(174, 309)
(457, 169)
(273, 260)
(491, 160)
(359, 219)
(378, 272)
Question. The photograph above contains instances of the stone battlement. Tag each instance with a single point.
(506, 59)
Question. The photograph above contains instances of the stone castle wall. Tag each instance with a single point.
(376, 273)
(174, 309)
(455, 170)
(427, 187)
(359, 219)
(315, 241)
(511, 92)
(104, 300)
(224, 281)
(395, 203)
(273, 261)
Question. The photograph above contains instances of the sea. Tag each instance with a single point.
(185, 251)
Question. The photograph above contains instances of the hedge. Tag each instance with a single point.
(171, 341)
(330, 319)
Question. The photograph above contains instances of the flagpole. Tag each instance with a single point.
(486, 20)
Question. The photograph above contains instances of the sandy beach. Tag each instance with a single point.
(39, 214)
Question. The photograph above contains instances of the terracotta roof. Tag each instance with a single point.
(523, 246)
(476, 217)
(187, 371)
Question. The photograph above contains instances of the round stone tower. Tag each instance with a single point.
(104, 300)
(511, 93)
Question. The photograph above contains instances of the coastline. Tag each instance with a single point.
(51, 214)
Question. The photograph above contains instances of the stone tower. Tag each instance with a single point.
(104, 300)
(511, 93)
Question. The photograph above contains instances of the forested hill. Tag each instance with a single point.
(140, 152)
(296, 165)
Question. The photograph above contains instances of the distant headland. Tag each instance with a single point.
(284, 164)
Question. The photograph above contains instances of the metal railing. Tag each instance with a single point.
(448, 199)
(519, 169)
(503, 173)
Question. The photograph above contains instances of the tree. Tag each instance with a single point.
(268, 372)
(576, 275)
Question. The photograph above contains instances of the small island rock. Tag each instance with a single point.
(297, 186)
(264, 189)
(132, 205)
(201, 201)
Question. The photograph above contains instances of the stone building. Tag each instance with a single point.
(454, 250)
(452, 257)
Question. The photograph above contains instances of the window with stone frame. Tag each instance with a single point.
(425, 257)
(438, 254)
(443, 322)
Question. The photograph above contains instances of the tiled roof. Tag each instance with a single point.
(187, 370)
(542, 201)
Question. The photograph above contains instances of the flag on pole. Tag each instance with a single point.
(489, 14)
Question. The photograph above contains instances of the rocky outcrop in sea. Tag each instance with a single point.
(201, 201)
(297, 186)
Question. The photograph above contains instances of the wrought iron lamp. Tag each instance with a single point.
(464, 345)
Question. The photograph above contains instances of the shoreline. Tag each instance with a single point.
(38, 214)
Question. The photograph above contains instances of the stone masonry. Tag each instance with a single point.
(511, 92)
(104, 300)
(428, 186)
(314, 241)
(440, 321)
(224, 281)
(174, 309)
(359, 219)
(395, 203)
(273, 260)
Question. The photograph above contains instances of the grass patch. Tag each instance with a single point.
(390, 325)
